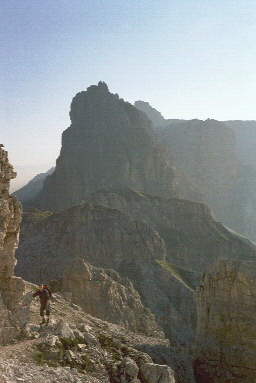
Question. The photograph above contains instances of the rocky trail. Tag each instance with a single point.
(76, 347)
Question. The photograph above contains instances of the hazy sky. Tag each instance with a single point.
(188, 58)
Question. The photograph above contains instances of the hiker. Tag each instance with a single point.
(45, 295)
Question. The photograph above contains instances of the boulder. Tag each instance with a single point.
(156, 373)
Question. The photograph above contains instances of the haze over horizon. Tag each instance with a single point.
(191, 59)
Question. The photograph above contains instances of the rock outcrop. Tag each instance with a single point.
(109, 144)
(104, 294)
(226, 324)
(11, 287)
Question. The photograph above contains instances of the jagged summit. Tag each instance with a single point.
(108, 144)
(102, 85)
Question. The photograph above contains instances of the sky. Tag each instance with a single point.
(188, 58)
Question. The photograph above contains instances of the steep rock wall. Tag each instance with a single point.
(193, 238)
(161, 245)
(11, 287)
(226, 324)
(107, 238)
(206, 152)
(215, 163)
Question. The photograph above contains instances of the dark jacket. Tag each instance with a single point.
(44, 295)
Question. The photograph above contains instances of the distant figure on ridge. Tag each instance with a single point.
(45, 295)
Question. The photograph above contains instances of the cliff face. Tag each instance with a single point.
(206, 152)
(215, 164)
(161, 245)
(109, 143)
(11, 287)
(243, 206)
(226, 324)
(245, 132)
(108, 238)
(192, 237)
(103, 293)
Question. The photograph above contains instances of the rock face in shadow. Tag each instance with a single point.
(215, 164)
(242, 214)
(217, 161)
(11, 287)
(226, 324)
(109, 144)
(245, 132)
(193, 238)
(206, 152)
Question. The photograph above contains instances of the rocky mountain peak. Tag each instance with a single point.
(108, 144)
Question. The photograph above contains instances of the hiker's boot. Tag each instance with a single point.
(47, 320)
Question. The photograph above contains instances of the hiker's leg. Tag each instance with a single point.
(48, 311)
(42, 308)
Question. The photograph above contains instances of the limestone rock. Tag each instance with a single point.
(108, 238)
(155, 373)
(64, 331)
(104, 237)
(11, 287)
(109, 143)
(226, 324)
(161, 245)
(104, 294)
(188, 228)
